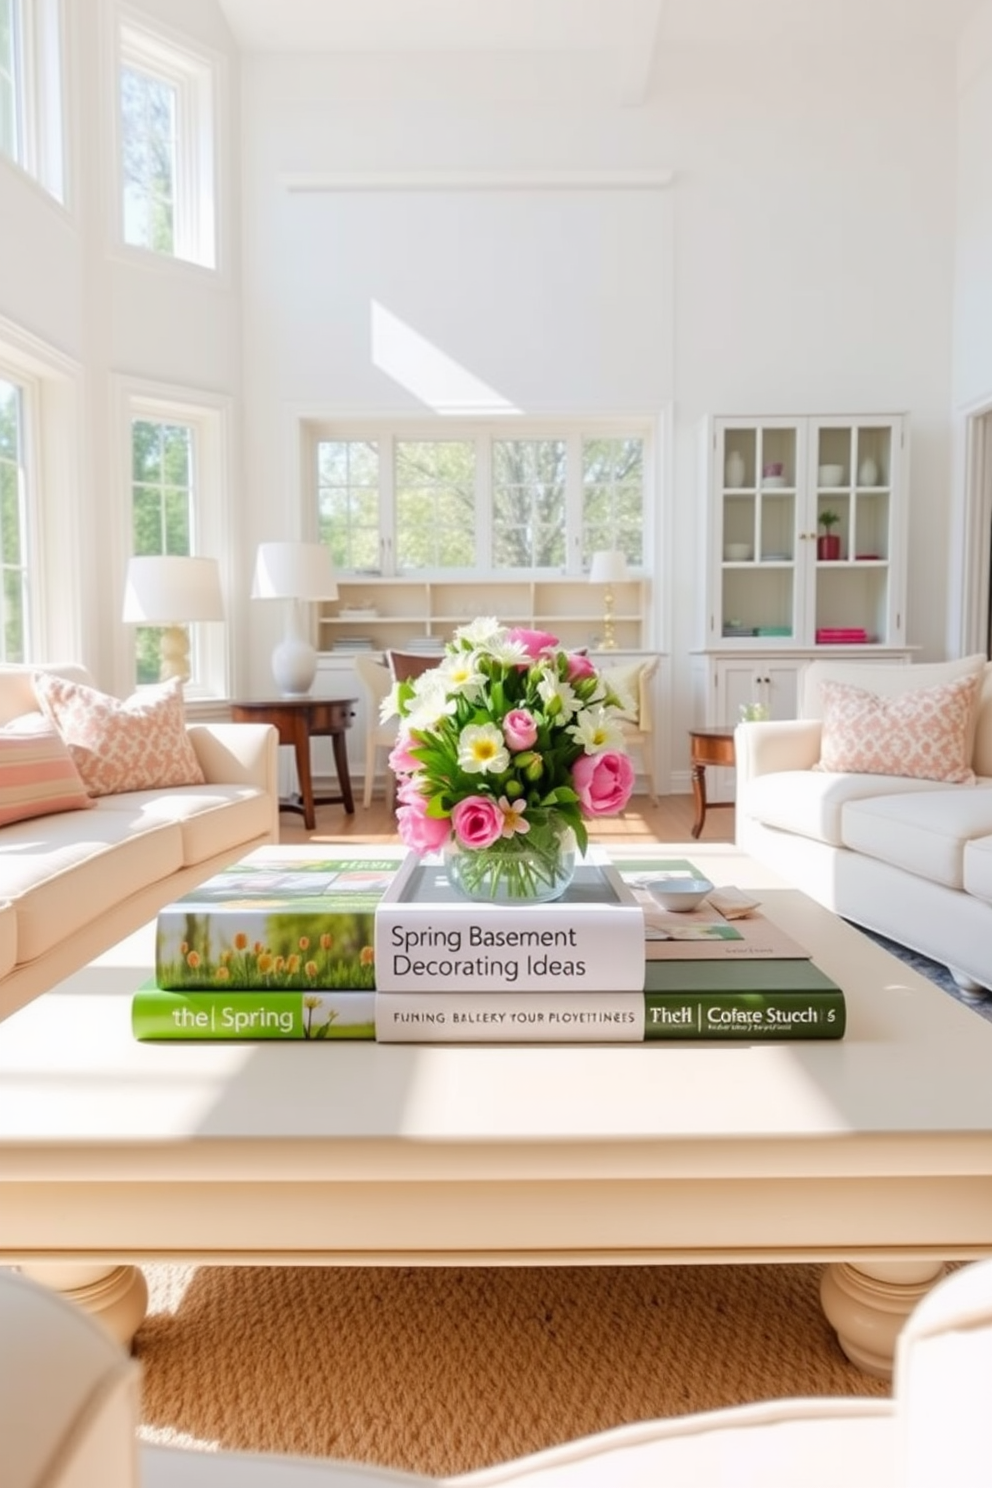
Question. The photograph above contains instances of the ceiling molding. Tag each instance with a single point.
(549, 180)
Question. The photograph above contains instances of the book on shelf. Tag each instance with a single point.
(429, 938)
(324, 1016)
(727, 926)
(712, 1001)
(276, 922)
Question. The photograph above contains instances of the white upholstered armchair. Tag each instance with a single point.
(69, 1406)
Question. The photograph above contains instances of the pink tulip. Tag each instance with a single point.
(477, 821)
(579, 666)
(534, 642)
(519, 729)
(603, 782)
(419, 831)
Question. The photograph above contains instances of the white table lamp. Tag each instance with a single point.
(298, 572)
(171, 594)
(608, 567)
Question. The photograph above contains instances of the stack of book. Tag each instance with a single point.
(384, 949)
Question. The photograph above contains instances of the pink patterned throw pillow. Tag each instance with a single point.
(923, 735)
(37, 775)
(139, 744)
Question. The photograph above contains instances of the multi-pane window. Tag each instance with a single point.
(13, 557)
(529, 503)
(613, 497)
(348, 502)
(400, 503)
(31, 89)
(166, 102)
(162, 498)
(435, 504)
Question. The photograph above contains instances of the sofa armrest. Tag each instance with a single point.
(782, 744)
(238, 754)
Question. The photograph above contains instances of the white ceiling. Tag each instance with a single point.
(576, 26)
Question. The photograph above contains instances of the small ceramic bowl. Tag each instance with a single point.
(738, 552)
(830, 475)
(678, 893)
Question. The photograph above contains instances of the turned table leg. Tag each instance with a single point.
(868, 1304)
(117, 1295)
(699, 796)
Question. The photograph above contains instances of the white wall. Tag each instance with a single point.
(65, 280)
(812, 239)
(973, 297)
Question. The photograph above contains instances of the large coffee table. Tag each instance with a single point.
(873, 1154)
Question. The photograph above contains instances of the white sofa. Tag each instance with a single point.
(69, 1407)
(910, 859)
(73, 883)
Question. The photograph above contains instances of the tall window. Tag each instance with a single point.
(162, 492)
(399, 501)
(13, 528)
(31, 89)
(166, 148)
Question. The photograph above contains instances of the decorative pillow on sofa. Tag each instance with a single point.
(139, 744)
(923, 735)
(37, 775)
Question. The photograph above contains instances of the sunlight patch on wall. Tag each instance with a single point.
(428, 372)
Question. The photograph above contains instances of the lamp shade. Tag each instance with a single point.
(608, 567)
(293, 570)
(172, 591)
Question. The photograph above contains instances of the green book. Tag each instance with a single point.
(276, 925)
(782, 975)
(326, 1016)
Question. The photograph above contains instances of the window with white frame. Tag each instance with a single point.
(14, 608)
(498, 498)
(177, 506)
(31, 90)
(166, 117)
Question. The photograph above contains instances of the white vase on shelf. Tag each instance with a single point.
(868, 473)
(734, 469)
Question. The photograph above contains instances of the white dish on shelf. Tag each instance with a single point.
(773, 483)
(777, 558)
(830, 475)
(738, 552)
(349, 612)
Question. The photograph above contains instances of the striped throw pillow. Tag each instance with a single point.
(37, 775)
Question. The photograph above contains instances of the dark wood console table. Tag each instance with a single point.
(297, 721)
(707, 746)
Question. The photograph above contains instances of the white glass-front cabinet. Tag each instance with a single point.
(777, 573)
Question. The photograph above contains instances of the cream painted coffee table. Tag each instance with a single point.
(874, 1153)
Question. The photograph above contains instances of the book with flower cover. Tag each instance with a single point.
(430, 938)
(277, 921)
(245, 1017)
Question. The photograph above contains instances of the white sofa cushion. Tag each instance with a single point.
(66, 870)
(211, 818)
(925, 733)
(978, 868)
(810, 803)
(8, 937)
(924, 833)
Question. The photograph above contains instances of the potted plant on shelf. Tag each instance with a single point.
(828, 546)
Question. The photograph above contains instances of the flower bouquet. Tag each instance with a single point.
(505, 750)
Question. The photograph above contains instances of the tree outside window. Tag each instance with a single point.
(148, 146)
(348, 502)
(613, 498)
(435, 504)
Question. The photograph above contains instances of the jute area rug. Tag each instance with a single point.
(442, 1371)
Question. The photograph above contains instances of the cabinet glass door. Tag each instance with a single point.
(759, 469)
(852, 475)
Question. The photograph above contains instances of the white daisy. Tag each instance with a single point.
(596, 729)
(552, 689)
(461, 674)
(482, 751)
(480, 632)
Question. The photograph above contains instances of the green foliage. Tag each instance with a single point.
(828, 519)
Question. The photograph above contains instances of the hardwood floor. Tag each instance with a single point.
(669, 821)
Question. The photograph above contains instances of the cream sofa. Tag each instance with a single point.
(73, 883)
(69, 1407)
(910, 859)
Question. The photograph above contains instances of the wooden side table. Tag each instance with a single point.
(708, 746)
(297, 721)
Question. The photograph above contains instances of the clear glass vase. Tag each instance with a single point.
(534, 868)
